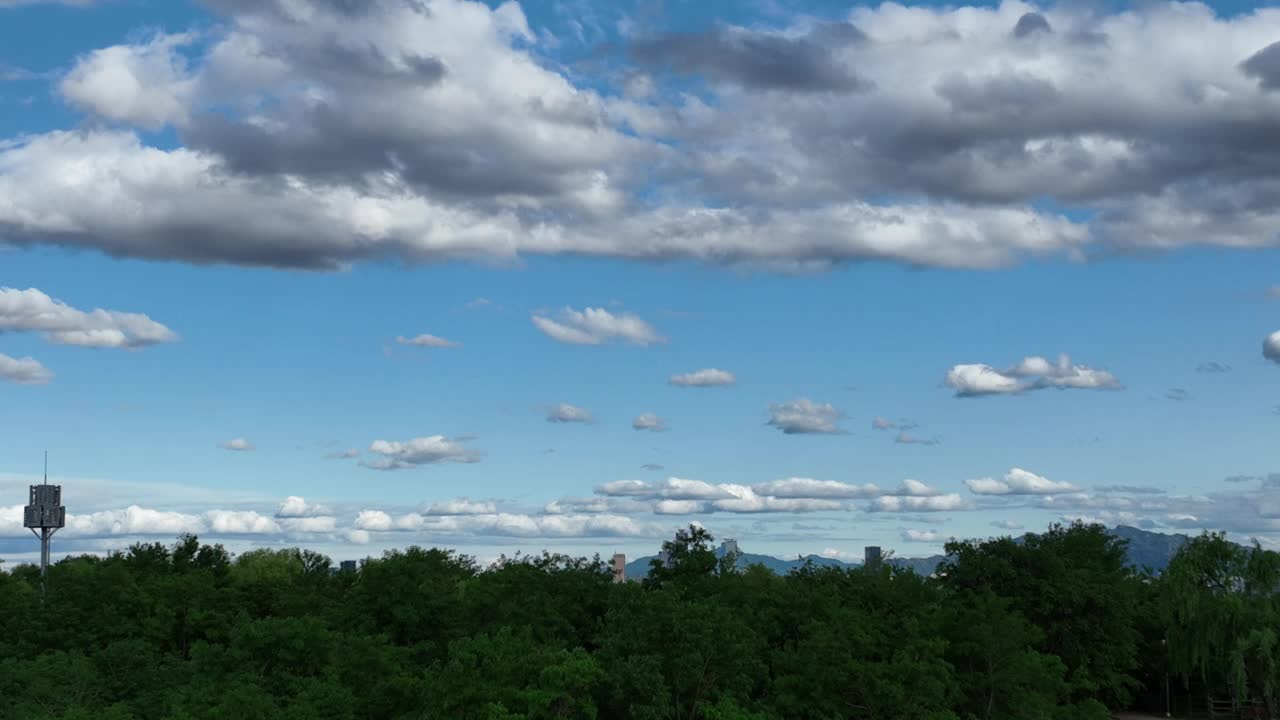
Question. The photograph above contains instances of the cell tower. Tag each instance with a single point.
(45, 515)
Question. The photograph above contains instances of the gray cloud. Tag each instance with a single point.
(302, 144)
(1177, 394)
(1264, 66)
(759, 60)
(1271, 347)
(802, 416)
(653, 467)
(347, 454)
(905, 438)
(1213, 367)
(24, 371)
(1030, 24)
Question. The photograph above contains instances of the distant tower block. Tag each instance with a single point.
(871, 556)
(619, 568)
(44, 516)
(731, 546)
(347, 566)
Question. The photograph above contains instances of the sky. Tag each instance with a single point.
(568, 276)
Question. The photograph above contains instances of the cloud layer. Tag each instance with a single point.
(796, 135)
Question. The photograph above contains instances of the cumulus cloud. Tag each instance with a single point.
(913, 503)
(136, 520)
(566, 413)
(1032, 373)
(300, 141)
(31, 310)
(1019, 482)
(510, 525)
(1271, 347)
(803, 416)
(706, 377)
(430, 450)
(649, 421)
(297, 507)
(672, 488)
(238, 445)
(461, 506)
(147, 85)
(810, 488)
(596, 326)
(24, 371)
(426, 340)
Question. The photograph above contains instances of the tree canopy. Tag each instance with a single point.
(1054, 626)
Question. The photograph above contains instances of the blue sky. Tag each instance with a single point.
(751, 196)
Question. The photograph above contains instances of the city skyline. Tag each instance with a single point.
(550, 275)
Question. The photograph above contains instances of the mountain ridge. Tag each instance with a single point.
(1145, 550)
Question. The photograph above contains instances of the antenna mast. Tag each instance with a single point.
(45, 514)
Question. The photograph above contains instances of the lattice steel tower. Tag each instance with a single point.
(45, 515)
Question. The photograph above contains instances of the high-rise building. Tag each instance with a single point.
(619, 568)
(347, 566)
(664, 558)
(730, 546)
(871, 556)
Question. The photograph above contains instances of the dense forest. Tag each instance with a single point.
(1056, 626)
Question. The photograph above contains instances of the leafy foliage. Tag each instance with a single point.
(1053, 628)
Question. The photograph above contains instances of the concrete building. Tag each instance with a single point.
(871, 556)
(347, 566)
(619, 568)
(730, 546)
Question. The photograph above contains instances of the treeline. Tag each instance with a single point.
(1055, 627)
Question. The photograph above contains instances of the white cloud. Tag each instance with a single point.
(426, 340)
(1271, 347)
(921, 536)
(147, 85)
(357, 537)
(461, 506)
(317, 524)
(566, 413)
(905, 438)
(375, 520)
(430, 450)
(810, 488)
(31, 310)
(1019, 482)
(706, 377)
(242, 522)
(297, 507)
(24, 371)
(1032, 373)
(596, 326)
(803, 416)
(672, 488)
(649, 421)
(511, 525)
(1006, 524)
(914, 503)
(879, 423)
(238, 445)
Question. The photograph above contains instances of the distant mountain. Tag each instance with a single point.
(1149, 550)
